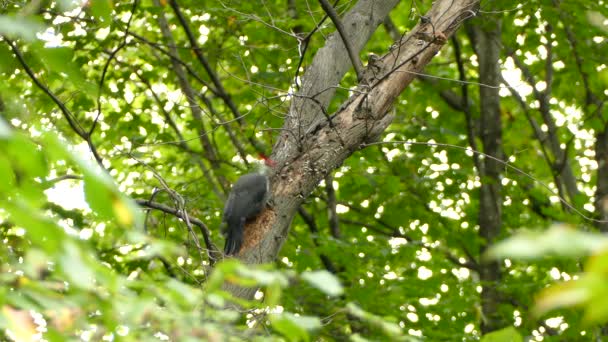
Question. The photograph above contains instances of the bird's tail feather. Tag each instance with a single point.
(234, 238)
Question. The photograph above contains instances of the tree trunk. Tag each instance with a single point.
(487, 39)
(601, 193)
(313, 143)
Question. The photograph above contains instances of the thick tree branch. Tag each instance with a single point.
(327, 69)
(363, 118)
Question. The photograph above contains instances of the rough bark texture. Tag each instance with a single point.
(490, 221)
(312, 144)
(601, 194)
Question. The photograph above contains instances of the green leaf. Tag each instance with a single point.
(7, 174)
(19, 27)
(294, 328)
(66, 5)
(102, 11)
(324, 281)
(263, 277)
(559, 239)
(8, 63)
(389, 328)
(272, 294)
(509, 334)
(598, 20)
(41, 230)
(60, 60)
(36, 263)
(28, 160)
(5, 129)
(75, 266)
(182, 295)
(101, 193)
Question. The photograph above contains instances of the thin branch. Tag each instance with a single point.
(209, 151)
(560, 165)
(181, 205)
(107, 65)
(391, 29)
(466, 109)
(331, 12)
(396, 233)
(176, 59)
(332, 214)
(314, 230)
(204, 230)
(304, 43)
(233, 138)
(49, 182)
(498, 160)
(549, 62)
(448, 96)
(590, 97)
(221, 91)
(74, 124)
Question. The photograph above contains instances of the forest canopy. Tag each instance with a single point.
(439, 170)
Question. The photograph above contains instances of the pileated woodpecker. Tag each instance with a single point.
(246, 200)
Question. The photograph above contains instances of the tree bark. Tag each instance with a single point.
(313, 143)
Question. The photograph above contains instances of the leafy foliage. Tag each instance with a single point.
(118, 143)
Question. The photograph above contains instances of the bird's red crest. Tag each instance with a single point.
(269, 162)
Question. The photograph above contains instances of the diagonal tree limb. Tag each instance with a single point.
(326, 71)
(363, 118)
